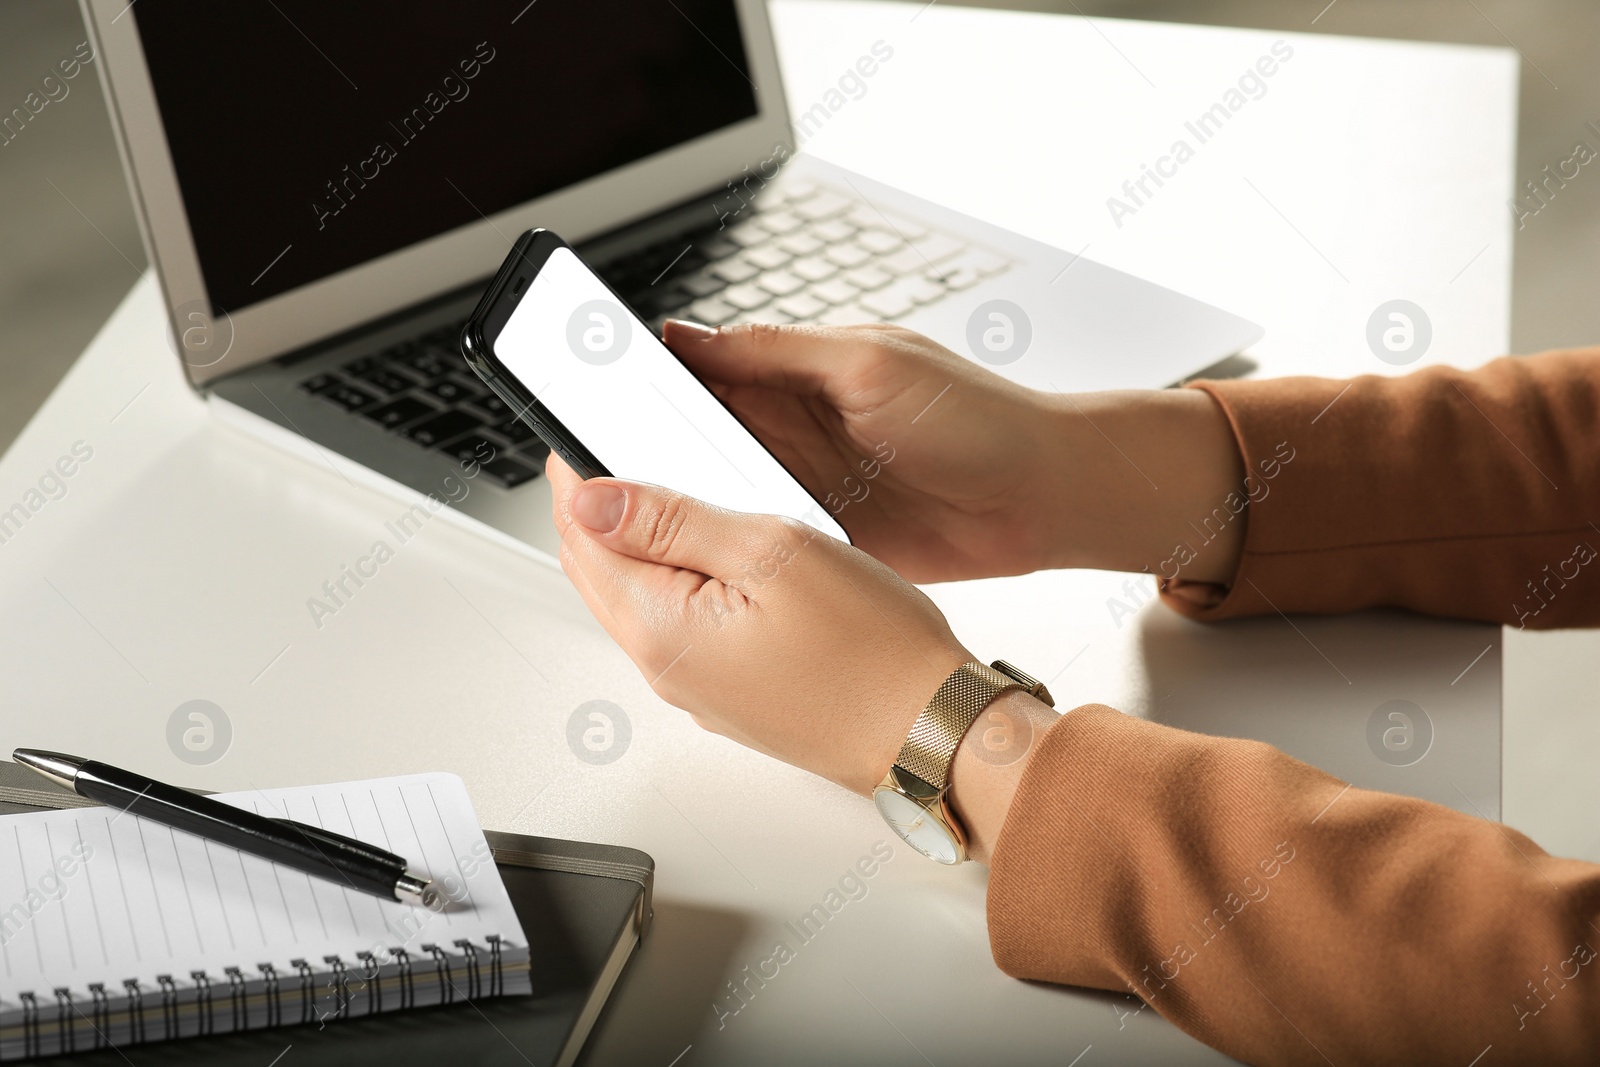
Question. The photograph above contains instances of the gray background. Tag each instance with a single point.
(71, 247)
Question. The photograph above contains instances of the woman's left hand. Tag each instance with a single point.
(763, 629)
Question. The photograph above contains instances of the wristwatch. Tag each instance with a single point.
(914, 796)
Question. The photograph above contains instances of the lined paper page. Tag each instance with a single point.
(98, 895)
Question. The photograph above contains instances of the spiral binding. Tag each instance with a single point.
(169, 1006)
(269, 974)
(308, 999)
(102, 1014)
(474, 958)
(471, 955)
(441, 967)
(64, 1019)
(340, 983)
(497, 978)
(202, 1003)
(135, 1010)
(241, 1017)
(370, 973)
(408, 991)
(30, 1024)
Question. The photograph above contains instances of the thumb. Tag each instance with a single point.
(805, 360)
(646, 522)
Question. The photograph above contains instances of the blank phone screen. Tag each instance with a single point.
(627, 399)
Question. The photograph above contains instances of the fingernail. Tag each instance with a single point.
(693, 330)
(598, 506)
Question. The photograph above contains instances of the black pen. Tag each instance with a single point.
(293, 844)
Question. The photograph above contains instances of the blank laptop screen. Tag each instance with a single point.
(311, 137)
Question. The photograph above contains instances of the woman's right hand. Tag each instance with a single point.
(944, 470)
(925, 458)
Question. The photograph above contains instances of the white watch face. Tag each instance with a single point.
(916, 827)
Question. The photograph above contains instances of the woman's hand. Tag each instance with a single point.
(779, 637)
(925, 457)
(763, 629)
(944, 470)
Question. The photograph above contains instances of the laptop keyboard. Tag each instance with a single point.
(424, 391)
(799, 253)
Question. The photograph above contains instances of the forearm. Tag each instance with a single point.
(1283, 917)
(1145, 481)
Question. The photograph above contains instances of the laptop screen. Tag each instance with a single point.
(311, 137)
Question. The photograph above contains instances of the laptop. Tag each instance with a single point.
(324, 189)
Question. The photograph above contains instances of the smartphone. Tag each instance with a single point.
(565, 352)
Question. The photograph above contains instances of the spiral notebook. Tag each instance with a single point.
(117, 930)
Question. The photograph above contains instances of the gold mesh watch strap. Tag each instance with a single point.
(931, 744)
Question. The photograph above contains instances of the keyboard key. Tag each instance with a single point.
(509, 472)
(878, 241)
(802, 306)
(387, 381)
(445, 426)
(453, 392)
(718, 247)
(319, 382)
(824, 205)
(920, 290)
(813, 268)
(746, 234)
(535, 452)
(734, 271)
(746, 297)
(955, 278)
(868, 277)
(516, 431)
(848, 255)
(348, 396)
(904, 291)
(833, 231)
(911, 231)
(699, 285)
(846, 315)
(798, 190)
(781, 222)
(800, 244)
(359, 367)
(712, 311)
(908, 260)
(768, 257)
(427, 362)
(399, 412)
(492, 406)
(837, 291)
(782, 283)
(937, 246)
(473, 448)
(887, 303)
(866, 217)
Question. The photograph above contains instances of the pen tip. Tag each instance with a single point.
(56, 766)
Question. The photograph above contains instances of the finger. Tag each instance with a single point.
(655, 525)
(807, 360)
(563, 480)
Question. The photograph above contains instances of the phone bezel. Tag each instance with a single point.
(500, 300)
(528, 254)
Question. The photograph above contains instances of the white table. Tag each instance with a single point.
(178, 564)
